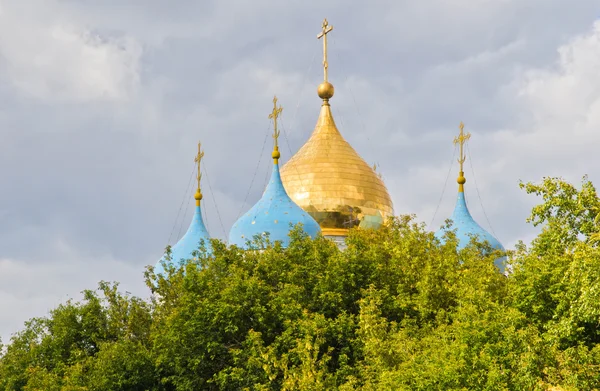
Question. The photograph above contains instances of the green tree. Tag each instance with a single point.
(567, 215)
(394, 310)
(100, 343)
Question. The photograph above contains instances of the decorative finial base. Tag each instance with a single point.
(325, 90)
(461, 181)
(198, 197)
(276, 155)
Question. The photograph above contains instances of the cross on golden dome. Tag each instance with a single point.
(328, 178)
(326, 28)
(325, 90)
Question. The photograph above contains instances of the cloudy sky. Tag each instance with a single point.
(102, 104)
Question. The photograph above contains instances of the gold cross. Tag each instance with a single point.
(326, 29)
(274, 115)
(197, 159)
(461, 139)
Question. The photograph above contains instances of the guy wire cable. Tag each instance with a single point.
(478, 195)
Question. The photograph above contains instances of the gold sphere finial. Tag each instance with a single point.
(461, 181)
(461, 139)
(198, 197)
(274, 116)
(276, 155)
(325, 90)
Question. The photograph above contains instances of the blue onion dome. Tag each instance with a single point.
(275, 214)
(464, 225)
(195, 233)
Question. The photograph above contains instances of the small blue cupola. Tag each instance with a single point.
(463, 223)
(275, 214)
(196, 232)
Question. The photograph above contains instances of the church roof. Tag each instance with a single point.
(195, 233)
(189, 242)
(463, 223)
(329, 179)
(275, 213)
(466, 226)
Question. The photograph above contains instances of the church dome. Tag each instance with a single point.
(329, 179)
(463, 224)
(466, 227)
(275, 213)
(195, 233)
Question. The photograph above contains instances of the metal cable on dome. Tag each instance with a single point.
(287, 140)
(183, 218)
(255, 171)
(360, 117)
(478, 195)
(212, 194)
(204, 215)
(267, 172)
(338, 114)
(304, 81)
(337, 109)
(342, 71)
(181, 206)
(445, 185)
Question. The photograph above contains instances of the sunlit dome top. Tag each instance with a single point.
(275, 213)
(463, 223)
(329, 179)
(195, 233)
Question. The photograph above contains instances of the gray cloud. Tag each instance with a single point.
(101, 109)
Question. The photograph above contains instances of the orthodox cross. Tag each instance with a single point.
(326, 29)
(461, 139)
(274, 115)
(197, 159)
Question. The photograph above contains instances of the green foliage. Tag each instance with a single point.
(101, 343)
(396, 310)
(569, 215)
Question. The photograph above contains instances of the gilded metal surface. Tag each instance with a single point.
(326, 28)
(461, 139)
(274, 115)
(198, 159)
(329, 180)
(333, 232)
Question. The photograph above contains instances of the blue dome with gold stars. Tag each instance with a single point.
(275, 214)
(195, 234)
(189, 242)
(463, 224)
(465, 228)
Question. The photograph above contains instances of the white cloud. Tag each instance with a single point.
(557, 129)
(48, 55)
(565, 101)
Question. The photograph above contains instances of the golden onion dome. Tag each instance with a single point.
(328, 179)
